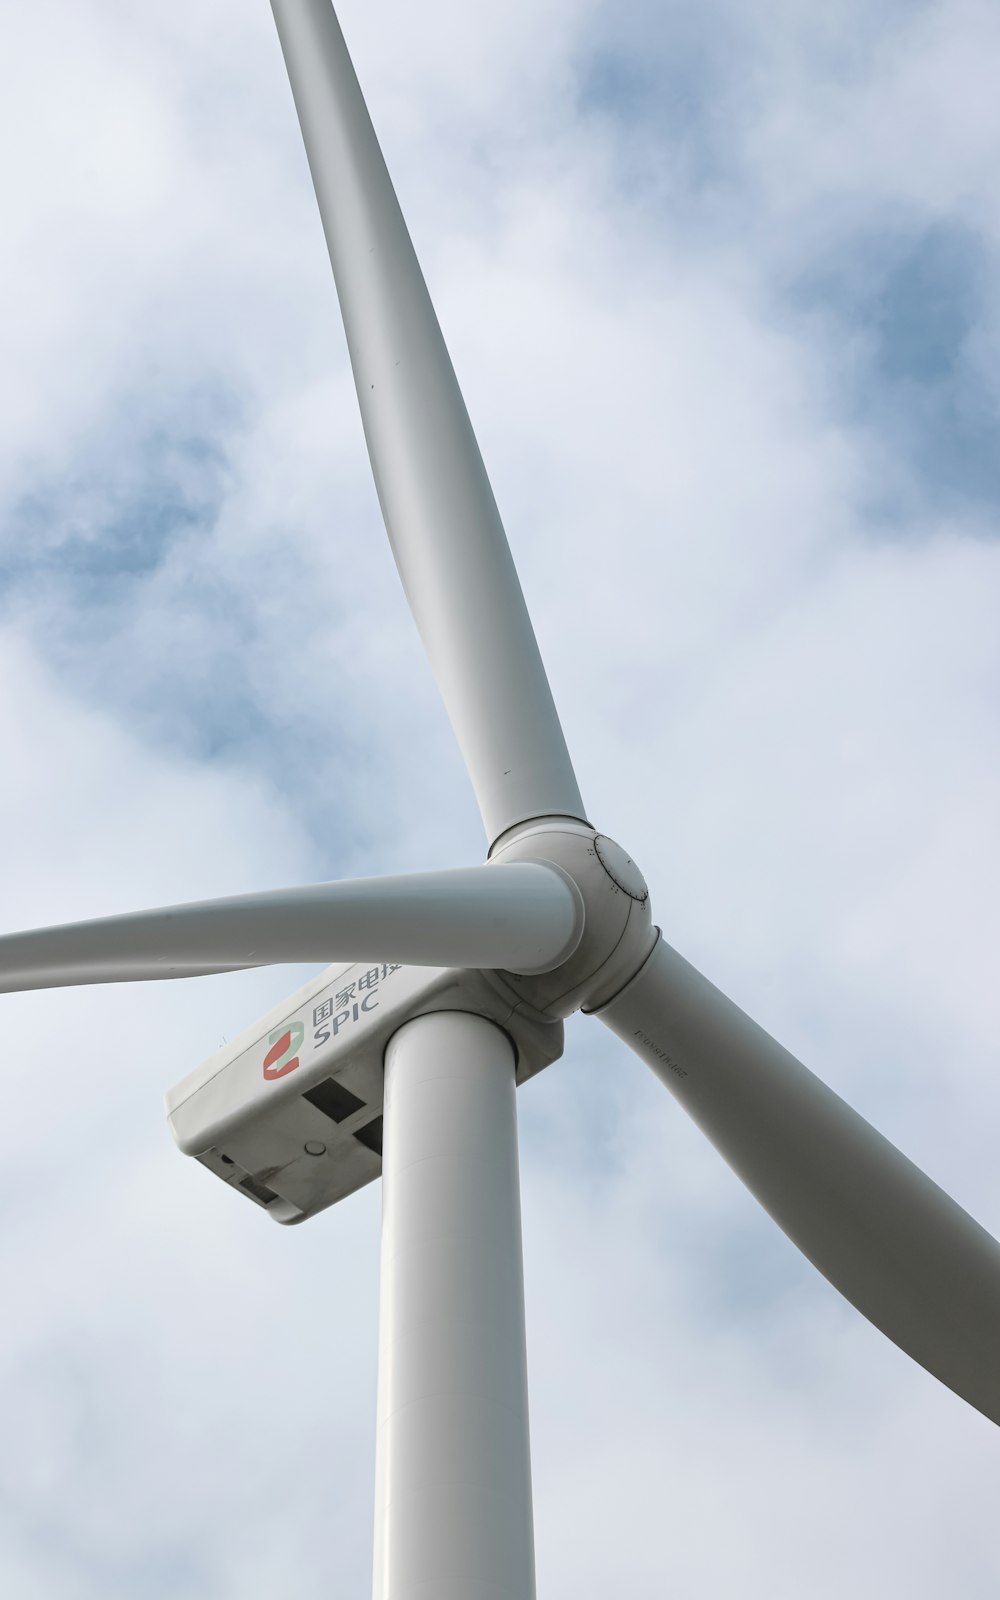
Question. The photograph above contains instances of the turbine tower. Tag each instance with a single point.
(406, 1064)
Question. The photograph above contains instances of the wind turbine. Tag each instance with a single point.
(466, 977)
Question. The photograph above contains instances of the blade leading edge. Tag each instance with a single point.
(439, 511)
(521, 916)
(900, 1249)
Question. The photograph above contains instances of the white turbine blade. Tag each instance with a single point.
(520, 916)
(910, 1259)
(439, 510)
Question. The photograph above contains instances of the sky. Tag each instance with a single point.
(720, 283)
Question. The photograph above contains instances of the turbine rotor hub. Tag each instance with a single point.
(618, 933)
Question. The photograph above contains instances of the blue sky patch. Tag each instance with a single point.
(912, 303)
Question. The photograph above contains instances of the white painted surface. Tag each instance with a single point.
(453, 1479)
(899, 1248)
(439, 510)
(522, 916)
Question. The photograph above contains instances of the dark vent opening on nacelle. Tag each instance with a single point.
(260, 1191)
(371, 1135)
(333, 1100)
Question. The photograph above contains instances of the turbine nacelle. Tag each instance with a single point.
(289, 1114)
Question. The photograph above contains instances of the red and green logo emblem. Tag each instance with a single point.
(283, 1054)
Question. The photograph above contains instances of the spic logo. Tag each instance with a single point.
(283, 1054)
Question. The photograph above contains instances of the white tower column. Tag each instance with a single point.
(453, 1474)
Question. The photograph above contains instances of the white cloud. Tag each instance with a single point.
(784, 706)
